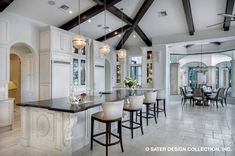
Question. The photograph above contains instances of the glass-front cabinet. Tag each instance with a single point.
(79, 67)
(147, 65)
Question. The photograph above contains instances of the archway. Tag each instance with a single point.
(28, 84)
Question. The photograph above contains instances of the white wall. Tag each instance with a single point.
(20, 30)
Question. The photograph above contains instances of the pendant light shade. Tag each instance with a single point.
(79, 41)
(104, 49)
(121, 53)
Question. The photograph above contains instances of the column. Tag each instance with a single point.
(233, 78)
(212, 76)
(174, 78)
(161, 68)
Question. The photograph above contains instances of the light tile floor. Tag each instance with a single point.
(187, 127)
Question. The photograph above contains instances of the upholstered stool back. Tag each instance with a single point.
(150, 97)
(161, 94)
(113, 110)
(136, 102)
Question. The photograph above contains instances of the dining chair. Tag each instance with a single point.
(218, 97)
(199, 96)
(185, 96)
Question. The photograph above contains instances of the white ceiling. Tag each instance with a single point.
(204, 14)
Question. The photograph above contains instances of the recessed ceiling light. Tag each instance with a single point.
(99, 25)
(119, 35)
(134, 36)
(70, 11)
(110, 30)
(115, 33)
(51, 2)
(89, 20)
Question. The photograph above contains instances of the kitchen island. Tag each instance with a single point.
(59, 128)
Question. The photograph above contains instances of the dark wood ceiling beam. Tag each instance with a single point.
(114, 33)
(228, 10)
(4, 4)
(146, 40)
(189, 16)
(138, 17)
(118, 13)
(95, 10)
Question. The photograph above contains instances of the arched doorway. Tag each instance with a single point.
(23, 72)
(14, 85)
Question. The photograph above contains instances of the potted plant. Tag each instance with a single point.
(131, 83)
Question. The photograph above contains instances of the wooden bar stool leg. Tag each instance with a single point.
(136, 116)
(164, 105)
(154, 109)
(147, 114)
(141, 122)
(157, 108)
(107, 138)
(92, 132)
(110, 133)
(131, 124)
(120, 134)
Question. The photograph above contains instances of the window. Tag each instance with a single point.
(136, 68)
(136, 60)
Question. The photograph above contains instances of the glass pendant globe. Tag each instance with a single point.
(104, 49)
(79, 41)
(121, 53)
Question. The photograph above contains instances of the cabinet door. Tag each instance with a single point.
(6, 110)
(65, 43)
(3, 64)
(55, 40)
(60, 84)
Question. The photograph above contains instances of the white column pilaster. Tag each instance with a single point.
(174, 78)
(212, 76)
(161, 68)
(233, 78)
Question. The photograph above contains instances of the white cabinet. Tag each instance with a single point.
(3, 64)
(61, 42)
(6, 114)
(4, 32)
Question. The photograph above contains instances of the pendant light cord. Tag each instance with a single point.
(79, 19)
(105, 21)
(122, 26)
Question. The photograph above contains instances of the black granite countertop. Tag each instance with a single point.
(63, 105)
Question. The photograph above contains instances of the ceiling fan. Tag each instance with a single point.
(225, 15)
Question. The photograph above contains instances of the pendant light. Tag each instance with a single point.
(104, 48)
(79, 41)
(201, 68)
(121, 52)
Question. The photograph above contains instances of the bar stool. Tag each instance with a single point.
(161, 98)
(134, 106)
(112, 112)
(150, 99)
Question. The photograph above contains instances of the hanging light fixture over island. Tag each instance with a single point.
(122, 52)
(79, 41)
(104, 48)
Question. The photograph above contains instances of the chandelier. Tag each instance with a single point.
(79, 41)
(200, 68)
(104, 48)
